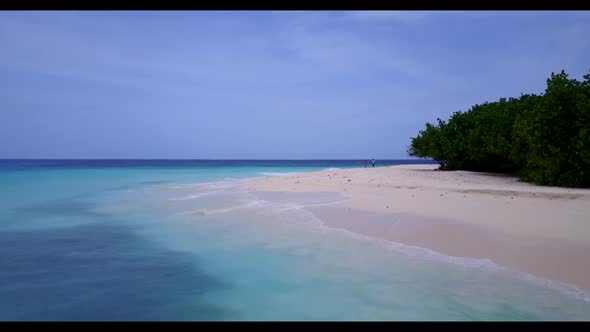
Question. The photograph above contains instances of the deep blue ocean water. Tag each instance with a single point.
(178, 240)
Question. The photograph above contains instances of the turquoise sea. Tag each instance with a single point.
(179, 240)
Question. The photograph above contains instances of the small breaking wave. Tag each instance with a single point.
(278, 173)
(194, 196)
(467, 262)
(427, 254)
(208, 212)
(210, 185)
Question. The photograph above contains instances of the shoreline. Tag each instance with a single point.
(532, 229)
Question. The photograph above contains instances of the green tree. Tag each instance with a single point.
(544, 139)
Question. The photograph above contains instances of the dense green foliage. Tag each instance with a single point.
(543, 139)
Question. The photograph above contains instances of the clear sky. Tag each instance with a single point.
(263, 85)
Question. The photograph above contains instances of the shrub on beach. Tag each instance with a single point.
(543, 139)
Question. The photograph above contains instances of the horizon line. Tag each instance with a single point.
(211, 159)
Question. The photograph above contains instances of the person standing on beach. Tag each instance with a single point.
(373, 162)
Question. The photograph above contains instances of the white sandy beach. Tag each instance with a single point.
(544, 231)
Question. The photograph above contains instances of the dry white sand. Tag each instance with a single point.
(544, 231)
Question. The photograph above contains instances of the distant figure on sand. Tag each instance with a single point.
(373, 162)
(365, 163)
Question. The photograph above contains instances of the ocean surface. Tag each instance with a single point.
(179, 240)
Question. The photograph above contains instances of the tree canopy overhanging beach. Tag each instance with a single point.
(544, 139)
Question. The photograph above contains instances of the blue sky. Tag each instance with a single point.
(264, 85)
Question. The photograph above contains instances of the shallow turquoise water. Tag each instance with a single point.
(185, 243)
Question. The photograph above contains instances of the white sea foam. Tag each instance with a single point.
(278, 173)
(476, 263)
(207, 212)
(210, 185)
(194, 196)
(184, 185)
